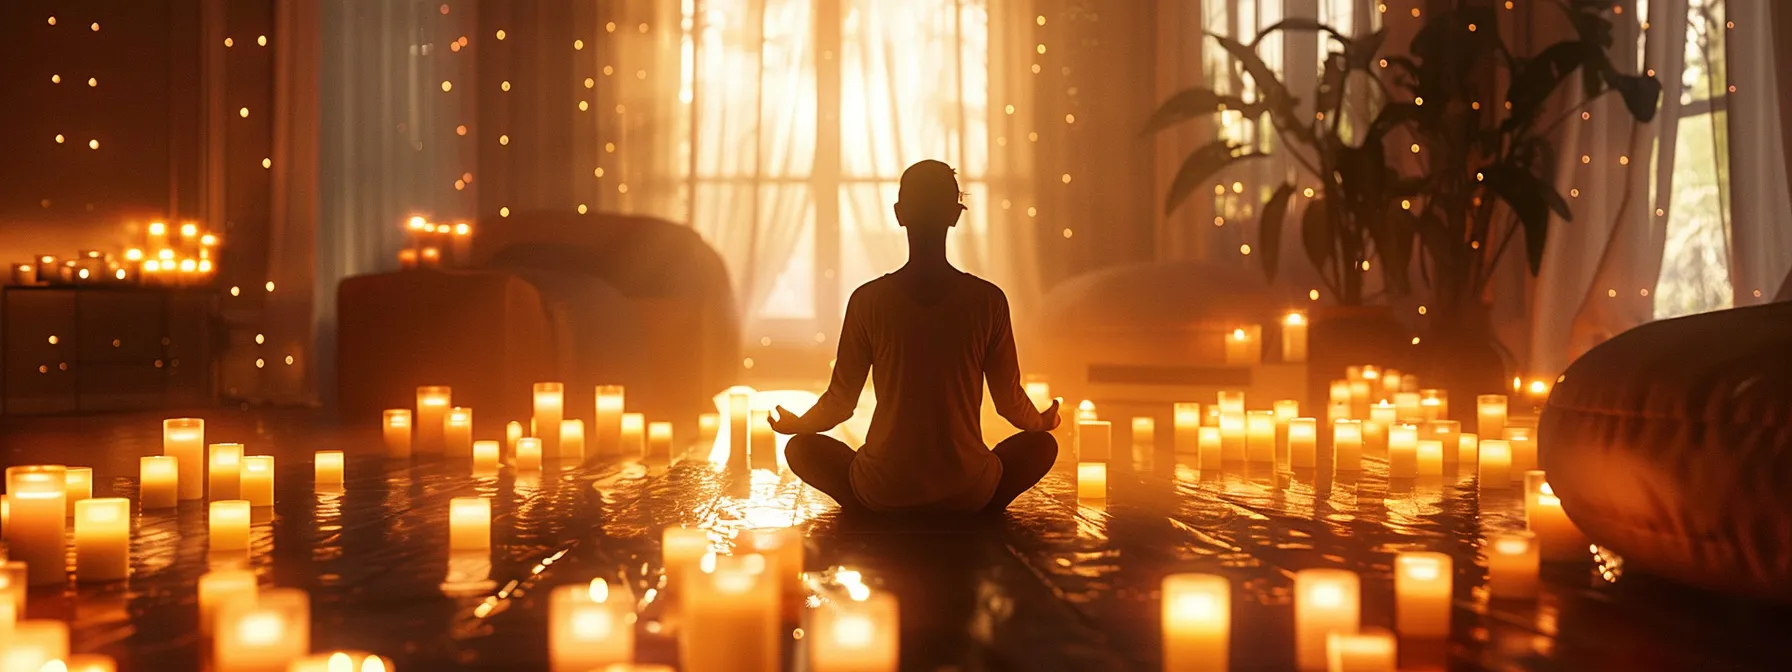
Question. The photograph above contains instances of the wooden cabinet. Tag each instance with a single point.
(97, 349)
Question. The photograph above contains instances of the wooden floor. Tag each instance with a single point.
(1052, 586)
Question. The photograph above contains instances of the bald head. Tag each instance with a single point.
(929, 196)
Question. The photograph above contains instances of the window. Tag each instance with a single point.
(1695, 257)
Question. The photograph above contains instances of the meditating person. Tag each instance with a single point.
(933, 334)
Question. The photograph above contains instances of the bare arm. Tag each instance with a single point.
(852, 363)
(1001, 367)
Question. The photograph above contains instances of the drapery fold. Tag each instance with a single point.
(1760, 203)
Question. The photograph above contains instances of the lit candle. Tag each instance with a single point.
(659, 441)
(588, 627)
(14, 581)
(572, 439)
(38, 521)
(1092, 481)
(433, 402)
(739, 405)
(550, 409)
(265, 635)
(229, 525)
(430, 257)
(1436, 403)
(707, 426)
(1384, 413)
(1359, 398)
(1094, 440)
(102, 539)
(634, 434)
(1490, 411)
(1403, 451)
(469, 524)
(158, 482)
(680, 550)
(1144, 432)
(223, 587)
(485, 456)
(1197, 622)
(1336, 412)
(398, 432)
(77, 483)
(407, 259)
(782, 548)
(1186, 418)
(457, 433)
(1430, 456)
(226, 473)
(1468, 449)
(1242, 346)
(513, 431)
(1407, 408)
(184, 439)
(1524, 451)
(857, 634)
(328, 469)
(1339, 392)
(1303, 435)
(528, 454)
(1347, 445)
(1085, 410)
(1559, 538)
(1232, 437)
(1392, 381)
(28, 645)
(1209, 449)
(1445, 431)
(732, 619)
(1039, 392)
(1231, 401)
(1372, 650)
(90, 662)
(1496, 465)
(258, 480)
(343, 661)
(1422, 594)
(1512, 561)
(607, 427)
(1325, 601)
(1294, 338)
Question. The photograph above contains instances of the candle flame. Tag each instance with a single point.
(853, 630)
(54, 665)
(1544, 488)
(599, 590)
(417, 223)
(1539, 387)
(859, 592)
(373, 664)
(1237, 334)
(1294, 319)
(1511, 545)
(157, 228)
(340, 662)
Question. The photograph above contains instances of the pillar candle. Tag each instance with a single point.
(606, 428)
(14, 587)
(659, 441)
(732, 619)
(1559, 539)
(1285, 410)
(739, 406)
(229, 525)
(1347, 445)
(1392, 381)
(1232, 436)
(572, 439)
(457, 433)
(1282, 410)
(469, 524)
(782, 548)
(1430, 457)
(1339, 392)
(550, 409)
(1436, 403)
(1144, 432)
(634, 430)
(1336, 412)
(91, 662)
(1524, 451)
(38, 521)
(265, 635)
(856, 634)
(258, 480)
(1496, 465)
(1406, 407)
(485, 456)
(102, 539)
(1490, 411)
(1384, 413)
(1303, 435)
(513, 430)
(398, 432)
(528, 454)
(329, 469)
(158, 482)
(1422, 594)
(1197, 622)
(1185, 416)
(77, 483)
(1445, 431)
(1231, 401)
(680, 550)
(1244, 346)
(707, 426)
(184, 439)
(343, 661)
(1468, 449)
(1210, 451)
(1294, 338)
(1094, 440)
(1371, 650)
(1512, 560)
(589, 628)
(1325, 601)
(1360, 398)
(28, 645)
(1403, 451)
(1039, 392)
(223, 587)
(433, 402)
(226, 471)
(1092, 481)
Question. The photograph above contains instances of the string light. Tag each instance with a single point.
(53, 21)
(504, 85)
(1415, 12)
(504, 139)
(598, 172)
(583, 106)
(244, 113)
(1069, 118)
(55, 79)
(581, 208)
(261, 40)
(1039, 20)
(1245, 250)
(500, 33)
(93, 81)
(622, 188)
(58, 138)
(267, 163)
(1041, 48)
(460, 130)
(578, 45)
(504, 211)
(270, 286)
(1066, 178)
(1068, 233)
(447, 86)
(610, 27)
(589, 82)
(1313, 294)
(95, 27)
(93, 144)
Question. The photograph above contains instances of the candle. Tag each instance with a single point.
(158, 482)
(1347, 445)
(329, 469)
(707, 426)
(1303, 435)
(430, 257)
(1197, 622)
(220, 588)
(1242, 346)
(1094, 440)
(1231, 401)
(1407, 408)
(528, 454)
(1436, 403)
(184, 439)
(229, 525)
(1384, 413)
(258, 480)
(1359, 398)
(407, 259)
(1085, 410)
(634, 430)
(485, 456)
(1403, 447)
(342, 661)
(77, 483)
(1209, 452)
(1512, 561)
(572, 439)
(1430, 458)
(1039, 392)
(680, 549)
(732, 620)
(1392, 381)
(38, 520)
(90, 662)
(1339, 392)
(398, 432)
(102, 539)
(1559, 539)
(28, 645)
(1185, 416)
(1524, 451)
(1496, 464)
(588, 627)
(226, 472)
(14, 581)
(1294, 338)
(1468, 449)
(782, 548)
(1092, 481)
(856, 634)
(1372, 650)
(1144, 432)
(1325, 601)
(513, 431)
(1490, 411)
(607, 427)
(1422, 594)
(457, 433)
(659, 441)
(433, 402)
(263, 635)
(550, 409)
(469, 524)
(738, 405)
(1336, 412)
(1445, 431)
(1232, 436)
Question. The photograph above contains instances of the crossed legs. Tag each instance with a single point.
(825, 463)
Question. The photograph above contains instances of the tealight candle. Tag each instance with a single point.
(1185, 417)
(588, 627)
(184, 439)
(1430, 458)
(550, 409)
(1232, 436)
(1326, 601)
(77, 483)
(1422, 594)
(1468, 449)
(1372, 650)
(457, 433)
(634, 431)
(469, 524)
(1490, 411)
(857, 634)
(1197, 622)
(659, 441)
(158, 482)
(229, 525)
(1559, 538)
(1407, 408)
(1209, 452)
(1242, 346)
(513, 431)
(265, 635)
(398, 432)
(258, 480)
(102, 539)
(433, 402)
(220, 588)
(1092, 481)
(1524, 451)
(30, 644)
(606, 429)
(1094, 440)
(38, 521)
(485, 456)
(739, 416)
(1403, 451)
(1347, 445)
(1391, 381)
(1496, 465)
(528, 454)
(1512, 561)
(572, 439)
(1231, 401)
(329, 469)
(1294, 338)
(226, 474)
(731, 622)
(343, 661)
(1303, 435)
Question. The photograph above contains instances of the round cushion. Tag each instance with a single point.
(1671, 444)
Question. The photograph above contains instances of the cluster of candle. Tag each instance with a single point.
(428, 241)
(1244, 344)
(437, 427)
(169, 255)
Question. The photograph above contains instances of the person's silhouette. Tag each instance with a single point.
(933, 333)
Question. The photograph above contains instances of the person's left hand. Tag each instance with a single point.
(1050, 415)
(782, 421)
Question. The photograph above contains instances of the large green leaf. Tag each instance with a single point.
(1200, 166)
(1275, 97)
(1269, 229)
(1193, 103)
(1536, 79)
(1642, 95)
(1532, 200)
(1317, 234)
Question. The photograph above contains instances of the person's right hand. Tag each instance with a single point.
(1050, 415)
(782, 421)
